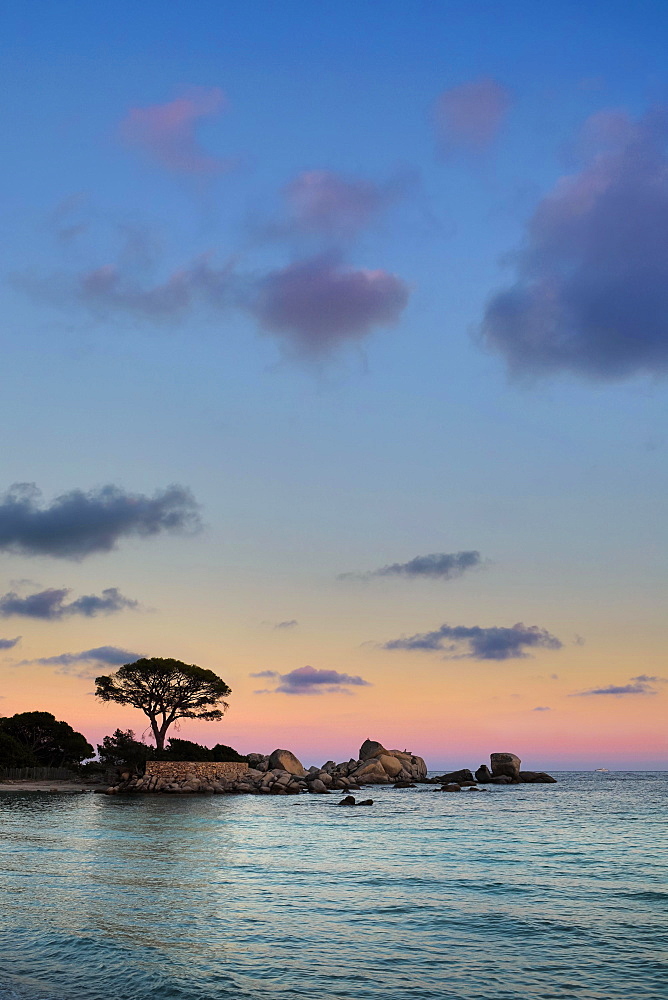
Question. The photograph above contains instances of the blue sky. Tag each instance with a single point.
(444, 136)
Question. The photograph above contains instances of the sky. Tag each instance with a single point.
(335, 357)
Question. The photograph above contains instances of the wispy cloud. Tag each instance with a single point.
(9, 643)
(113, 288)
(437, 566)
(642, 684)
(478, 643)
(309, 680)
(468, 117)
(78, 523)
(70, 664)
(51, 605)
(541, 708)
(591, 289)
(167, 133)
(290, 623)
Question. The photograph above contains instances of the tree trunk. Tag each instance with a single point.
(159, 735)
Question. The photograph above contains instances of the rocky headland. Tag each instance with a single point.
(281, 773)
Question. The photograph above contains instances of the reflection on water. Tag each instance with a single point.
(542, 891)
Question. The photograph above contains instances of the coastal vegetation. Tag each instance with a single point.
(38, 739)
(166, 690)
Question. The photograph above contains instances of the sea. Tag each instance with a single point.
(528, 891)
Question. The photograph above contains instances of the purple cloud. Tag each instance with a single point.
(308, 680)
(436, 566)
(50, 604)
(591, 289)
(167, 132)
(9, 643)
(469, 116)
(642, 684)
(495, 643)
(326, 202)
(317, 304)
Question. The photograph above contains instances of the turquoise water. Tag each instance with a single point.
(533, 891)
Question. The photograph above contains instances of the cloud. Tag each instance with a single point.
(437, 566)
(642, 684)
(541, 708)
(317, 304)
(291, 623)
(9, 643)
(100, 656)
(496, 643)
(325, 202)
(469, 116)
(308, 680)
(50, 604)
(78, 524)
(591, 291)
(110, 289)
(167, 132)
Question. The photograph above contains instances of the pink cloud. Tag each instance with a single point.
(469, 116)
(167, 132)
(317, 304)
(328, 202)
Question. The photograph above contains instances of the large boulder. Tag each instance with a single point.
(371, 748)
(483, 774)
(284, 760)
(505, 764)
(457, 776)
(391, 765)
(370, 772)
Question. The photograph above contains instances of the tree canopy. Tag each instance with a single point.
(31, 739)
(166, 690)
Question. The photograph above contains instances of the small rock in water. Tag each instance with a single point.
(365, 802)
(451, 787)
(348, 801)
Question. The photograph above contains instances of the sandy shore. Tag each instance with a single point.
(46, 786)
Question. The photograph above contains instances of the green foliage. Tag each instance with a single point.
(166, 690)
(122, 748)
(13, 753)
(41, 741)
(187, 750)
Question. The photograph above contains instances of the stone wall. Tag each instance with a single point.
(177, 770)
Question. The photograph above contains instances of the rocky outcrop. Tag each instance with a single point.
(281, 773)
(378, 765)
(505, 764)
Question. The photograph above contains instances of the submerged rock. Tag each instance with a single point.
(537, 778)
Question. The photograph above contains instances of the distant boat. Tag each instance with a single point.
(601, 769)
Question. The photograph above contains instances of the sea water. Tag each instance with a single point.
(529, 891)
